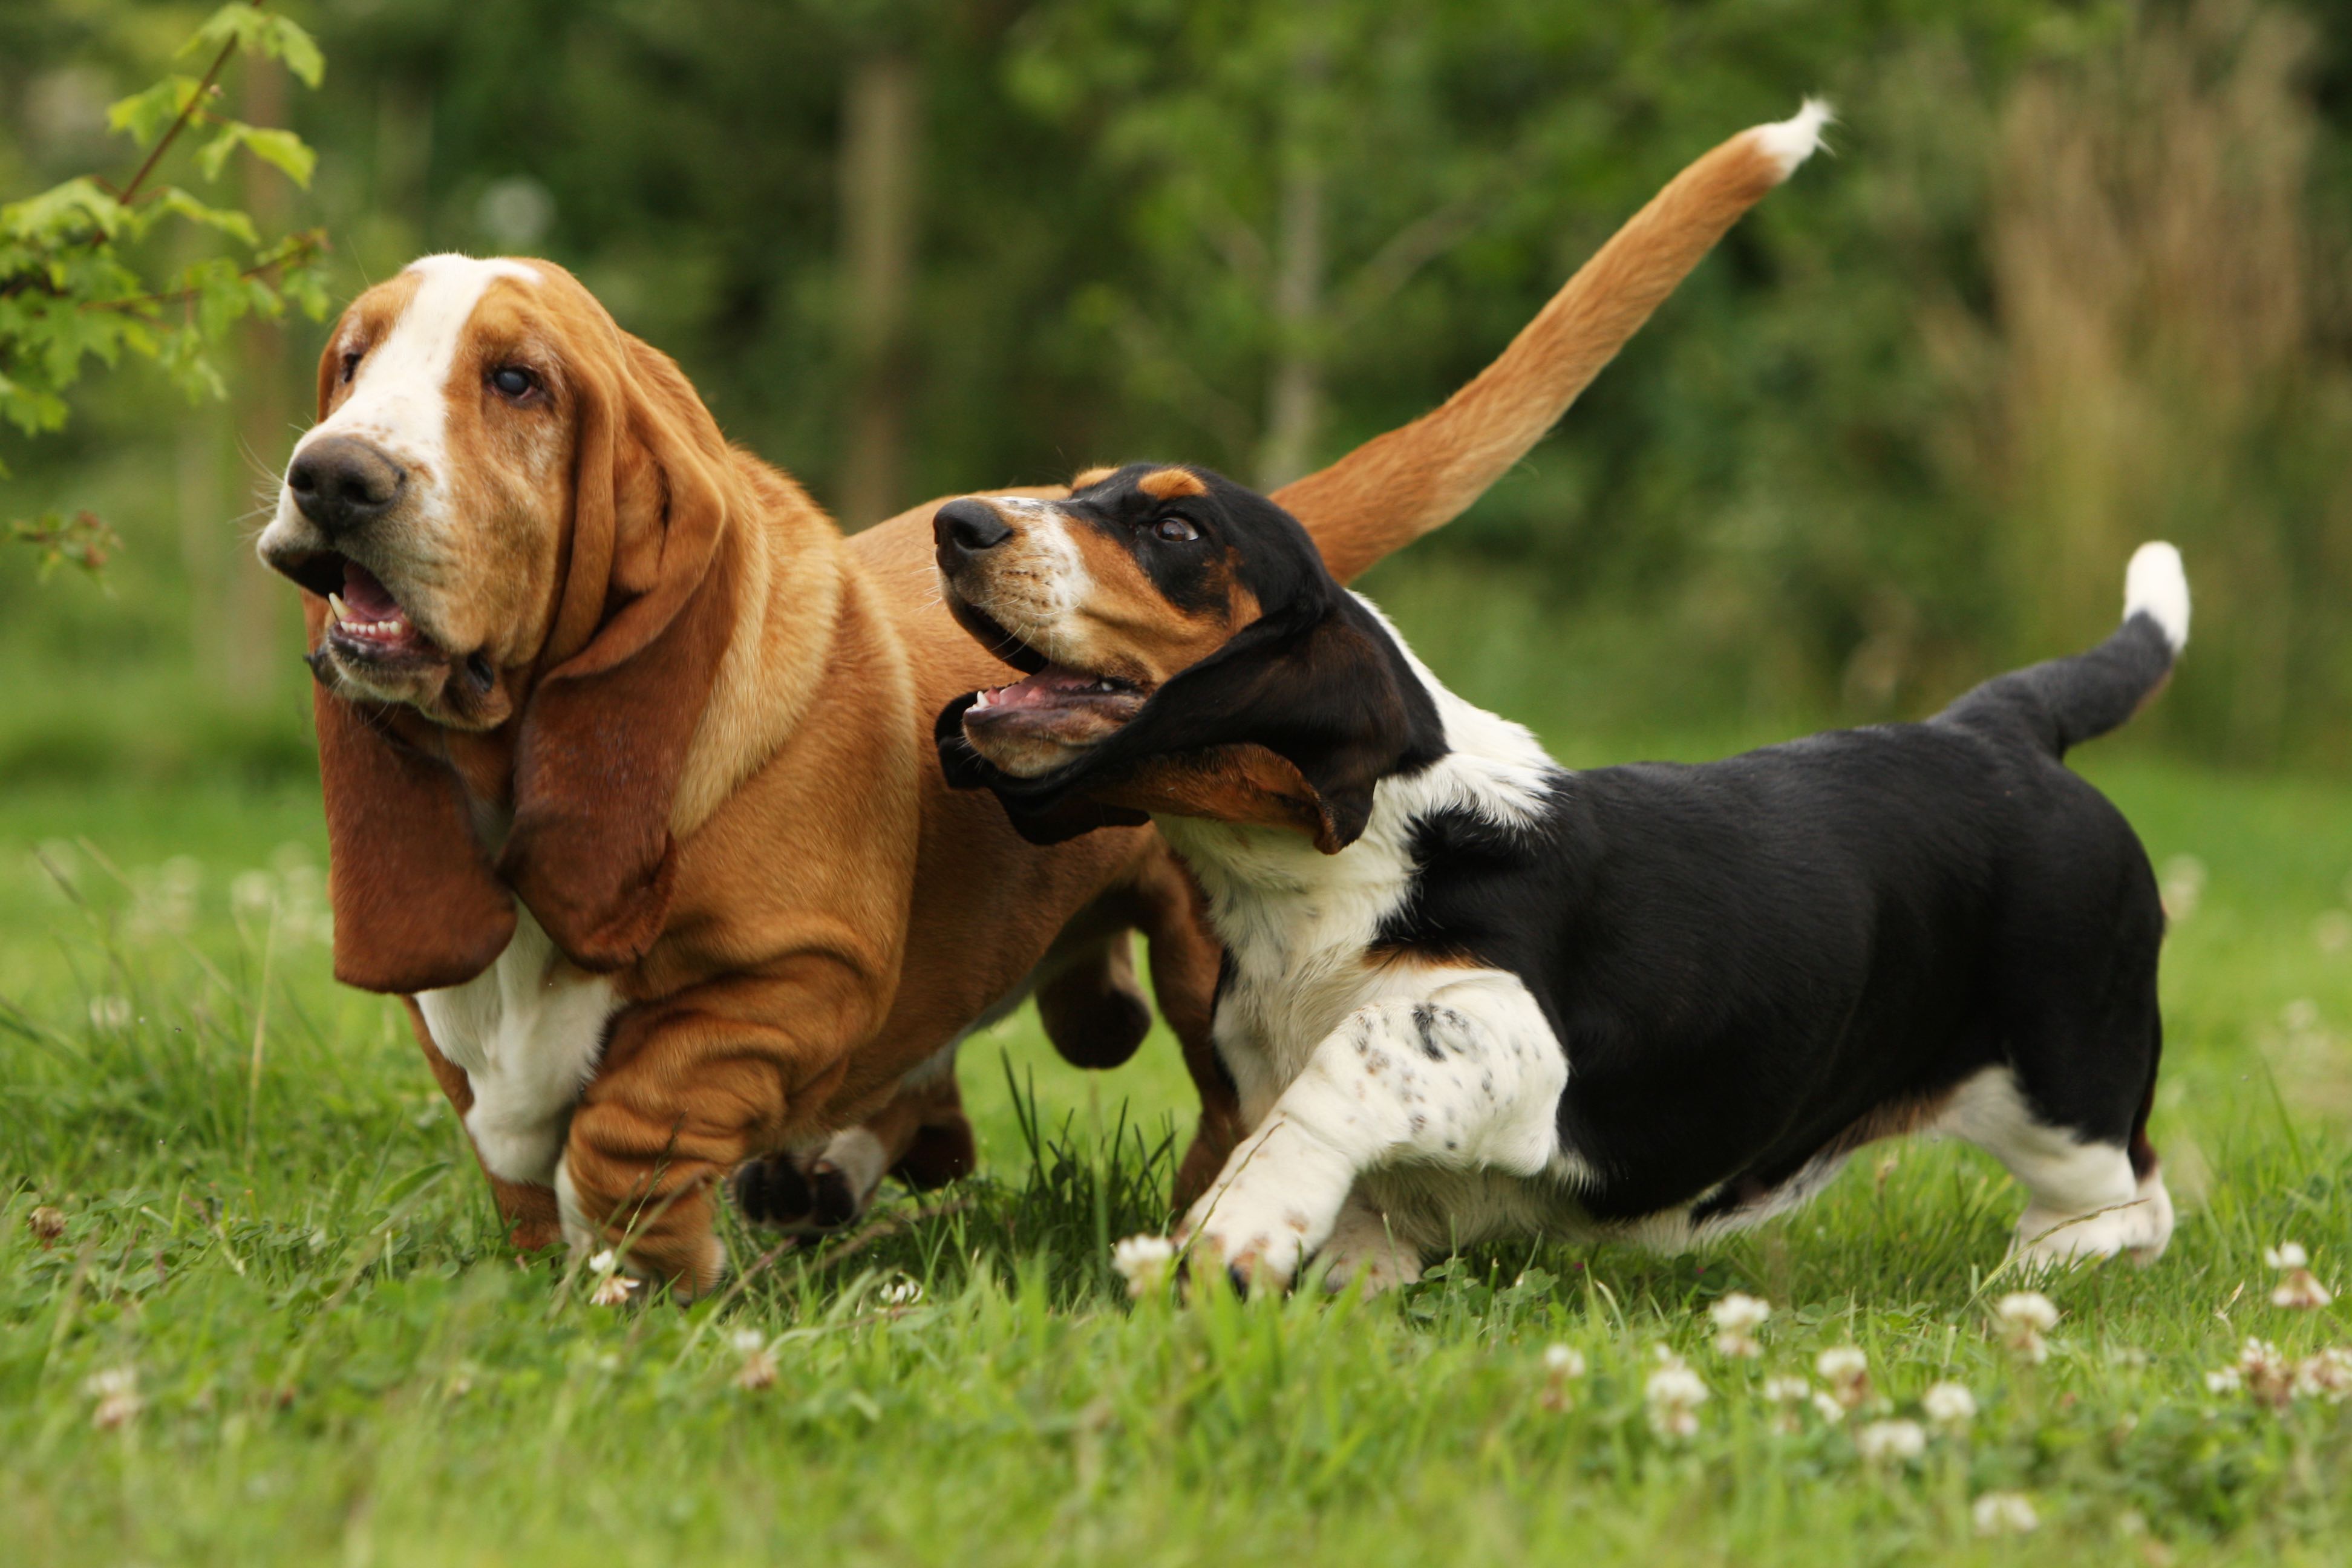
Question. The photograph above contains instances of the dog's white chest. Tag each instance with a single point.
(527, 1032)
(1296, 925)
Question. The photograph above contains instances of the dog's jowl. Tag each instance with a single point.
(1469, 992)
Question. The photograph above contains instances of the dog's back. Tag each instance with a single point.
(1757, 964)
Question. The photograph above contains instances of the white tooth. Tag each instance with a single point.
(335, 604)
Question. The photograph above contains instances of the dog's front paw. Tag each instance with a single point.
(1259, 1247)
(655, 1235)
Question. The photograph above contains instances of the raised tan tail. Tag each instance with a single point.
(1395, 488)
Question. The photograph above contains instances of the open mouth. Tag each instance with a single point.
(365, 622)
(1057, 686)
(1048, 689)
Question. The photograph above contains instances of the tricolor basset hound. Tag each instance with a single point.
(1470, 995)
(627, 766)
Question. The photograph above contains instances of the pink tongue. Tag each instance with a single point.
(1040, 687)
(370, 600)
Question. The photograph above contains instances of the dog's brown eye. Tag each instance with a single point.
(513, 381)
(350, 363)
(1176, 531)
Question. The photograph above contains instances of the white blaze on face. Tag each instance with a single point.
(1052, 585)
(399, 395)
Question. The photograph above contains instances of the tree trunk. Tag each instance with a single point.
(255, 612)
(881, 127)
(1293, 392)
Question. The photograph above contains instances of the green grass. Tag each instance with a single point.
(338, 1362)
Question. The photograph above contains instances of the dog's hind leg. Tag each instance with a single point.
(920, 1136)
(2089, 1198)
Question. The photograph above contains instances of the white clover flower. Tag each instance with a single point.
(605, 1262)
(2326, 1375)
(2026, 1310)
(1563, 1364)
(1738, 1310)
(116, 1390)
(2301, 1290)
(2287, 1255)
(2025, 1316)
(759, 1370)
(1786, 1390)
(612, 1291)
(1674, 1393)
(2224, 1380)
(1842, 1363)
(2266, 1373)
(1896, 1439)
(2004, 1513)
(47, 1224)
(902, 1293)
(1826, 1406)
(1737, 1317)
(746, 1341)
(1847, 1371)
(1948, 1403)
(1144, 1262)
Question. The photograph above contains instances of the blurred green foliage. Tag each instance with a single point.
(2071, 280)
(71, 288)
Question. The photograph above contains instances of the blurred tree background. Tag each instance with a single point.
(2076, 277)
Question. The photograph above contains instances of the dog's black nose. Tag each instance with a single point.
(968, 526)
(341, 483)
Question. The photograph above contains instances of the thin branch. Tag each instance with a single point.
(312, 243)
(156, 155)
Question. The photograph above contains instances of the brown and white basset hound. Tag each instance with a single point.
(627, 752)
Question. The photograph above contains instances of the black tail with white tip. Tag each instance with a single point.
(2067, 701)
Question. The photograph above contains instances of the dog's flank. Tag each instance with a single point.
(1704, 986)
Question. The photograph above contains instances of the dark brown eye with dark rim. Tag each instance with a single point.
(351, 361)
(1176, 531)
(513, 381)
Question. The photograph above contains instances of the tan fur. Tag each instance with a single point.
(1124, 627)
(1091, 476)
(1246, 784)
(713, 741)
(1395, 488)
(1169, 484)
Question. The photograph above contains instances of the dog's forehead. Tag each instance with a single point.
(1139, 484)
(429, 305)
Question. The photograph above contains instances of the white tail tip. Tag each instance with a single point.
(2155, 585)
(1789, 142)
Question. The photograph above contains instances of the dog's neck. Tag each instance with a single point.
(791, 577)
(1277, 902)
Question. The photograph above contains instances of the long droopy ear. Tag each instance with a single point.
(640, 626)
(1292, 723)
(641, 621)
(417, 906)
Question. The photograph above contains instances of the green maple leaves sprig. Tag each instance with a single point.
(70, 291)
